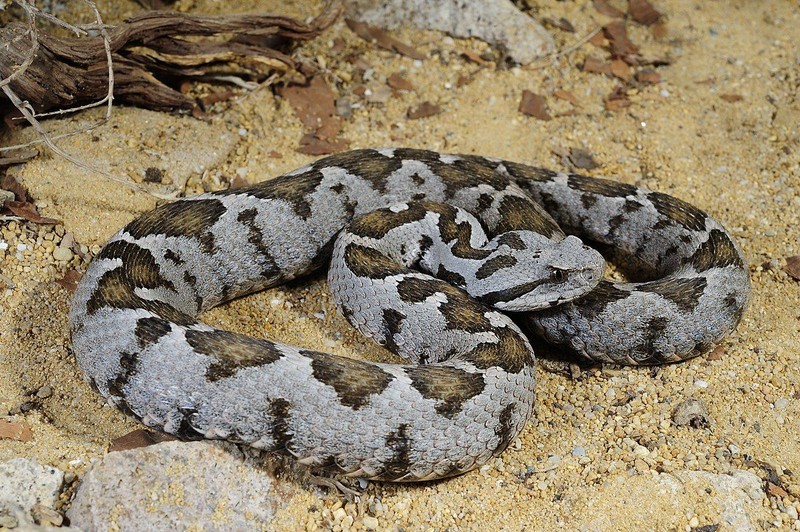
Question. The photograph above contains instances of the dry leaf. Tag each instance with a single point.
(592, 64)
(475, 57)
(604, 8)
(10, 183)
(621, 70)
(775, 490)
(648, 76)
(28, 211)
(19, 158)
(69, 281)
(423, 110)
(617, 99)
(717, 353)
(138, 438)
(621, 45)
(643, 12)
(398, 82)
(793, 267)
(15, 430)
(567, 96)
(312, 145)
(562, 24)
(732, 97)
(534, 105)
(580, 158)
(382, 39)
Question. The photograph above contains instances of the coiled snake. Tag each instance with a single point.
(470, 386)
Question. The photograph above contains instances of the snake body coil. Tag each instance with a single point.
(471, 388)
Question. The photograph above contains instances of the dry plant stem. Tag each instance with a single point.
(566, 51)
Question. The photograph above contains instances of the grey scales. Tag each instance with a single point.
(443, 259)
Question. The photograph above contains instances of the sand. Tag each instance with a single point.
(603, 452)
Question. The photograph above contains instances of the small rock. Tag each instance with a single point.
(177, 486)
(691, 412)
(24, 485)
(579, 451)
(369, 522)
(62, 254)
(781, 403)
(44, 392)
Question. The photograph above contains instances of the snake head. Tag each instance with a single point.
(528, 271)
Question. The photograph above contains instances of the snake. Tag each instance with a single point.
(459, 264)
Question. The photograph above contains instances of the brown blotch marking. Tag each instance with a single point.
(736, 309)
(415, 290)
(458, 237)
(294, 189)
(503, 429)
(187, 218)
(595, 302)
(450, 387)
(521, 213)
(399, 443)
(116, 288)
(631, 206)
(418, 179)
(377, 223)
(279, 410)
(369, 165)
(231, 352)
(255, 237)
(495, 264)
(717, 251)
(654, 331)
(523, 172)
(354, 381)
(173, 257)
(485, 201)
(392, 323)
(453, 278)
(678, 211)
(150, 330)
(685, 292)
(510, 352)
(588, 200)
(601, 187)
(116, 387)
(467, 171)
(367, 262)
(512, 240)
(509, 294)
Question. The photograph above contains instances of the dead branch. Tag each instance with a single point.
(151, 54)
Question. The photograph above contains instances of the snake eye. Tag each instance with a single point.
(558, 276)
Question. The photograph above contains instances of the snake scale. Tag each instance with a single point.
(490, 227)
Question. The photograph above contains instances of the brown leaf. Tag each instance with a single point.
(617, 35)
(567, 96)
(382, 39)
(69, 281)
(793, 267)
(621, 69)
(775, 490)
(562, 24)
(21, 157)
(717, 353)
(138, 438)
(592, 64)
(15, 430)
(398, 82)
(28, 211)
(604, 8)
(648, 76)
(643, 12)
(534, 105)
(313, 145)
(423, 110)
(10, 183)
(732, 97)
(475, 57)
(617, 99)
(580, 158)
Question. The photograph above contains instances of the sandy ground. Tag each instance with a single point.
(603, 452)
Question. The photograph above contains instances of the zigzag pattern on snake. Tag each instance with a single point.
(470, 388)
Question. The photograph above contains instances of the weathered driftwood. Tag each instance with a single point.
(152, 53)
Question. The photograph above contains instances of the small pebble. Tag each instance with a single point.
(781, 403)
(369, 522)
(44, 392)
(62, 254)
(579, 451)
